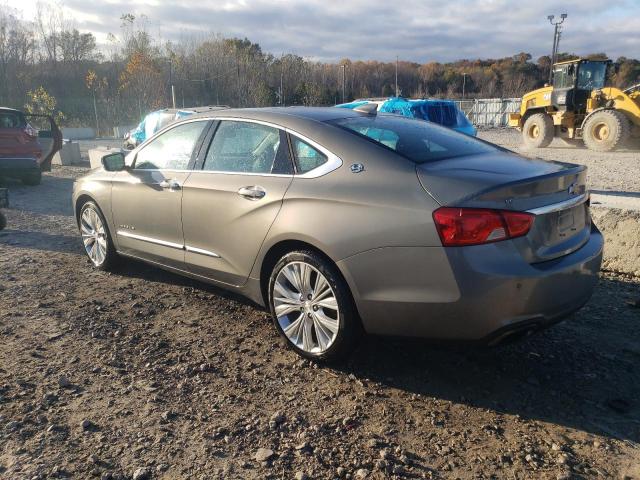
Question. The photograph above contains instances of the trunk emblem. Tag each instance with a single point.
(357, 168)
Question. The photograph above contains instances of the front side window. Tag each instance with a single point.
(171, 150)
(417, 140)
(11, 119)
(246, 147)
(592, 75)
(307, 157)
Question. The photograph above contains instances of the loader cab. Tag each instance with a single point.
(573, 82)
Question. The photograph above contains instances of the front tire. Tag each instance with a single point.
(312, 307)
(606, 130)
(33, 179)
(96, 238)
(538, 131)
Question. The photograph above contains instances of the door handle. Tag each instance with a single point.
(171, 185)
(254, 192)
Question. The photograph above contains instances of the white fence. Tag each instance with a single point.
(492, 112)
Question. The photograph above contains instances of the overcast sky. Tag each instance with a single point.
(415, 30)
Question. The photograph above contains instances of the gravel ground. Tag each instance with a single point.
(143, 374)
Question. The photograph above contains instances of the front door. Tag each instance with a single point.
(147, 198)
(230, 204)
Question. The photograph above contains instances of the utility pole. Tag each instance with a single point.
(557, 32)
(464, 82)
(397, 94)
(173, 90)
(344, 82)
(281, 89)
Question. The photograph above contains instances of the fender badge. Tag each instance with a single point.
(357, 168)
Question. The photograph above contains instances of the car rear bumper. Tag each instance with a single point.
(18, 167)
(470, 293)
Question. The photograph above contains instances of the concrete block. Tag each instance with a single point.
(96, 154)
(68, 155)
(78, 133)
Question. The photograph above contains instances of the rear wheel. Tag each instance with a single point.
(312, 307)
(603, 131)
(95, 237)
(33, 179)
(538, 130)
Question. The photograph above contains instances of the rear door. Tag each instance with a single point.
(230, 203)
(147, 198)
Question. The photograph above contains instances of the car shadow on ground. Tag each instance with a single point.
(582, 374)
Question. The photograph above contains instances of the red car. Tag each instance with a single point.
(25, 152)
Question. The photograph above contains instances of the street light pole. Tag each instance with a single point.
(397, 95)
(557, 31)
(464, 82)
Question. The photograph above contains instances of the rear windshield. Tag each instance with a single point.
(416, 140)
(10, 119)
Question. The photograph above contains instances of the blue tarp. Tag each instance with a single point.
(153, 122)
(442, 112)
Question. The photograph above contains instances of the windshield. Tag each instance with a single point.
(416, 140)
(591, 75)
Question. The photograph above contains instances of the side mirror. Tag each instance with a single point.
(114, 162)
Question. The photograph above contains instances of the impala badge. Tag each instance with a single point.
(357, 168)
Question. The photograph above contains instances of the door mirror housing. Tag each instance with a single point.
(114, 162)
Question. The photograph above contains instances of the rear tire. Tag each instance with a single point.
(96, 238)
(33, 179)
(538, 131)
(606, 130)
(312, 307)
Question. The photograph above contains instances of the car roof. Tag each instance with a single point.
(285, 116)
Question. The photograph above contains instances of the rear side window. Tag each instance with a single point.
(417, 140)
(307, 157)
(12, 120)
(172, 149)
(246, 147)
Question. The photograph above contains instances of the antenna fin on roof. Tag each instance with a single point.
(367, 108)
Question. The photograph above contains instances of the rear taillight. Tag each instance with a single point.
(473, 226)
(30, 131)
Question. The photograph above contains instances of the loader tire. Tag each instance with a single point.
(538, 131)
(606, 130)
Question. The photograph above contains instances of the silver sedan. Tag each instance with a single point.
(342, 222)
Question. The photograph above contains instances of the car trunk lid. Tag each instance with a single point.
(554, 192)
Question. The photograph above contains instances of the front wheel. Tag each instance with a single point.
(606, 130)
(312, 307)
(95, 237)
(33, 179)
(538, 131)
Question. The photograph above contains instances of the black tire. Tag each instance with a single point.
(3, 221)
(110, 255)
(349, 326)
(606, 130)
(33, 179)
(538, 131)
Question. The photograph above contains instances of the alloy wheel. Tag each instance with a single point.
(94, 236)
(306, 307)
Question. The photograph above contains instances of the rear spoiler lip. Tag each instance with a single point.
(572, 170)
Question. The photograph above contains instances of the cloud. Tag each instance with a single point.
(415, 30)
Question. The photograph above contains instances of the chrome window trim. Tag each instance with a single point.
(157, 241)
(333, 161)
(556, 207)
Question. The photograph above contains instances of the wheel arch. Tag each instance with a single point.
(533, 111)
(281, 248)
(596, 111)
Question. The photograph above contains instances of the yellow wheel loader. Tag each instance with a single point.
(579, 106)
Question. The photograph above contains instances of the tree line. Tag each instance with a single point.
(49, 65)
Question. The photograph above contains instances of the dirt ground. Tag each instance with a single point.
(143, 374)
